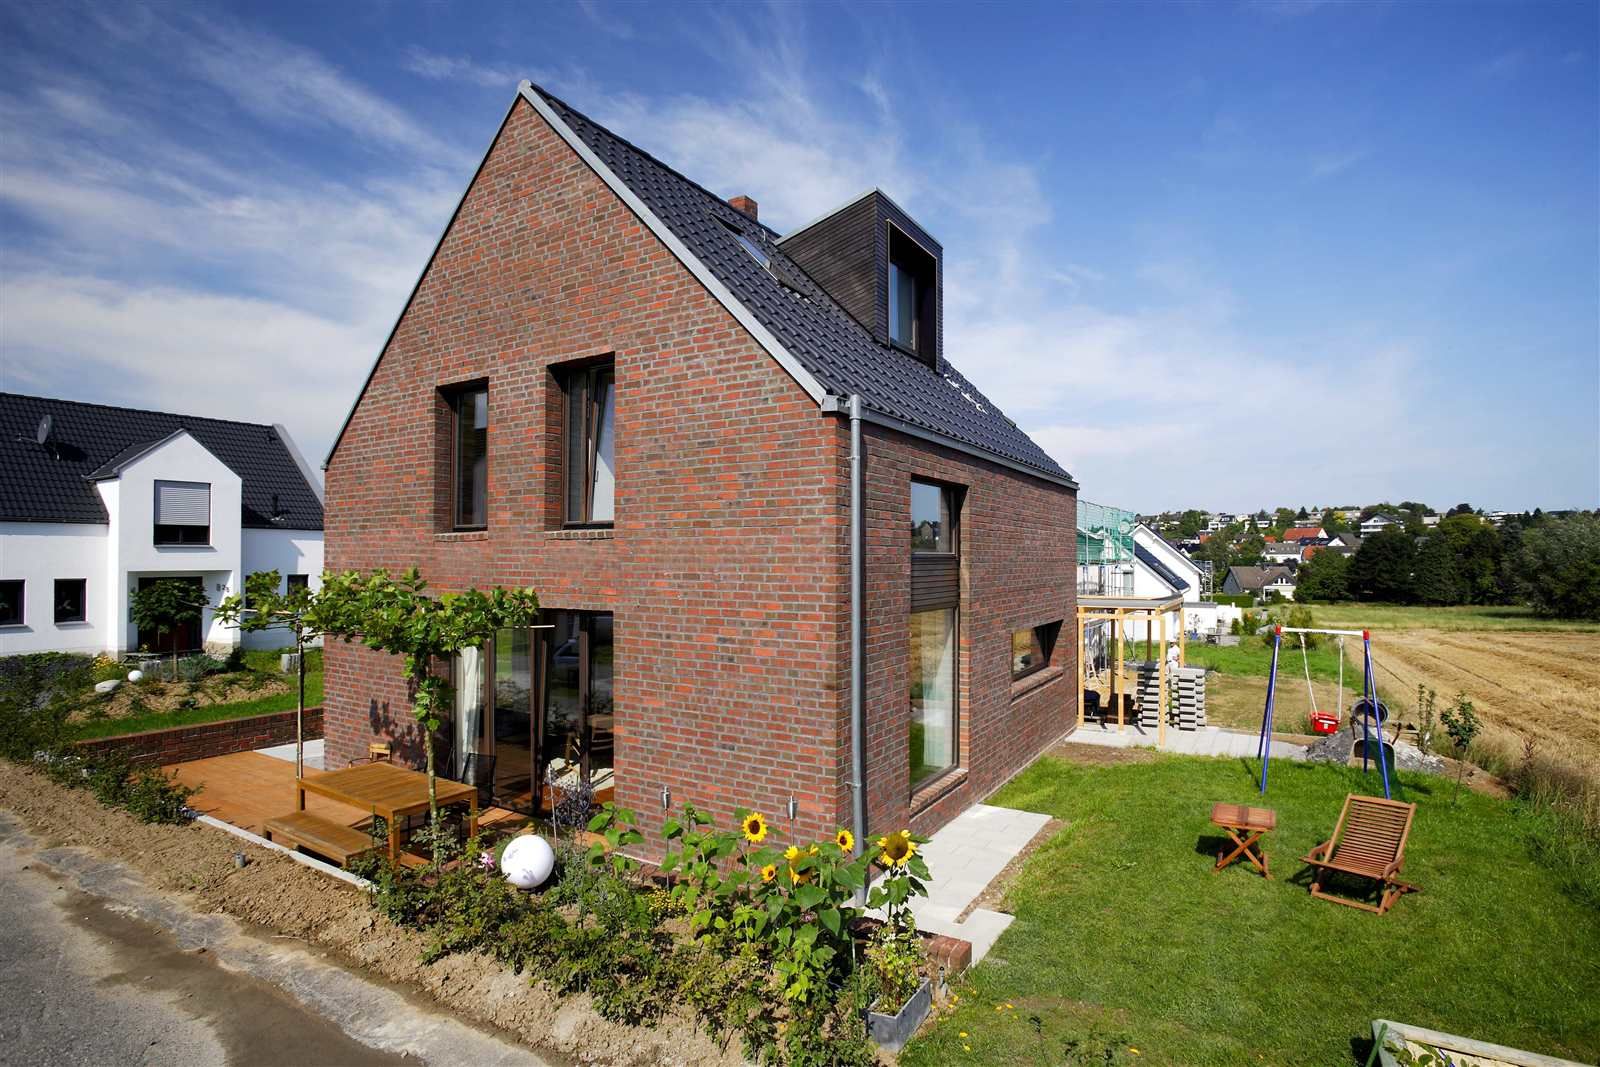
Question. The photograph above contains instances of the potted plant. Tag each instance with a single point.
(894, 955)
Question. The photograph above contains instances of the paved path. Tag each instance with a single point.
(312, 753)
(964, 856)
(1207, 741)
(96, 968)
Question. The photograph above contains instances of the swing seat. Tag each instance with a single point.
(1324, 722)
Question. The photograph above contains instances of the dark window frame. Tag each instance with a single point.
(908, 254)
(455, 396)
(21, 617)
(1046, 635)
(171, 535)
(588, 374)
(83, 601)
(950, 514)
(296, 581)
(926, 564)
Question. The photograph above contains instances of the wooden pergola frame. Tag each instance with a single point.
(1119, 609)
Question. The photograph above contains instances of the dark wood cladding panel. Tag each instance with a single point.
(840, 256)
(935, 582)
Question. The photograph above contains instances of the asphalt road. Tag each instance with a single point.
(96, 969)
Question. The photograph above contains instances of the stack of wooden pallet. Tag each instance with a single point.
(1186, 695)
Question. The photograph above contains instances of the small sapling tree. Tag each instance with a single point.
(397, 615)
(1461, 723)
(166, 604)
(297, 610)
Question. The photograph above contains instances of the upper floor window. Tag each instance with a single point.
(588, 445)
(931, 510)
(183, 513)
(469, 490)
(297, 581)
(11, 602)
(913, 314)
(70, 599)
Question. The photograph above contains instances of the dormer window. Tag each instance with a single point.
(913, 324)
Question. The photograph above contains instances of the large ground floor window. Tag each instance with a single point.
(534, 708)
(933, 694)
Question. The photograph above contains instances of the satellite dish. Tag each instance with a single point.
(42, 434)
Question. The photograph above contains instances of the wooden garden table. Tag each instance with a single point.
(389, 791)
(1242, 818)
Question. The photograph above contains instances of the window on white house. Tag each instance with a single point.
(71, 601)
(183, 513)
(297, 581)
(11, 602)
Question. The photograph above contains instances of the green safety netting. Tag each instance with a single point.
(1105, 535)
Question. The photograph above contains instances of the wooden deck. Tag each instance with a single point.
(248, 788)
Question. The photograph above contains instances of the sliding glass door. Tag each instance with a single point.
(575, 737)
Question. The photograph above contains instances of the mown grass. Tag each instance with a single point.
(1252, 657)
(165, 720)
(1350, 616)
(1124, 938)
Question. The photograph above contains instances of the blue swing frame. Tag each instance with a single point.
(1369, 697)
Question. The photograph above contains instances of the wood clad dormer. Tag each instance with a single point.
(882, 268)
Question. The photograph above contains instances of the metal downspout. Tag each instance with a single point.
(858, 726)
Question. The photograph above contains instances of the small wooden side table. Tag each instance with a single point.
(1242, 819)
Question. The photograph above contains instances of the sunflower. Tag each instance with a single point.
(898, 848)
(755, 827)
(845, 840)
(769, 872)
(792, 853)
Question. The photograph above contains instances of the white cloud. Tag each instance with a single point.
(1327, 164)
(436, 67)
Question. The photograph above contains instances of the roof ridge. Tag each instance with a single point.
(140, 411)
(652, 157)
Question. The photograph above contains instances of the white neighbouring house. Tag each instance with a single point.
(1161, 570)
(97, 500)
(1378, 523)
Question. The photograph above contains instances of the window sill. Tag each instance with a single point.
(72, 624)
(1036, 680)
(598, 533)
(185, 548)
(462, 535)
(930, 794)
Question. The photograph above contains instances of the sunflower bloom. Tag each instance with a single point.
(845, 840)
(769, 872)
(754, 827)
(791, 853)
(898, 848)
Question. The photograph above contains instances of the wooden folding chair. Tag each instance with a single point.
(1369, 841)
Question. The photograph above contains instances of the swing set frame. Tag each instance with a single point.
(1369, 717)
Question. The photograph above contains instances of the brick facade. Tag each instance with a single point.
(182, 744)
(727, 569)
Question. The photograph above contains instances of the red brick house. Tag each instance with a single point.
(615, 387)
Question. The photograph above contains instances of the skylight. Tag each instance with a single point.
(750, 246)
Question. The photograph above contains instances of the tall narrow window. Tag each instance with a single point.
(70, 599)
(470, 472)
(588, 447)
(933, 627)
(902, 306)
(913, 285)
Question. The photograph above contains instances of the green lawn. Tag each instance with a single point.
(1125, 938)
(1413, 617)
(1251, 657)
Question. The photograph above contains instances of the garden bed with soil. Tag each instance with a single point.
(275, 893)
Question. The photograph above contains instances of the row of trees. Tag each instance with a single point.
(1550, 563)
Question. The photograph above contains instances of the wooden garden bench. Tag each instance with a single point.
(325, 837)
(1369, 841)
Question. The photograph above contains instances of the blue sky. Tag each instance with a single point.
(1216, 255)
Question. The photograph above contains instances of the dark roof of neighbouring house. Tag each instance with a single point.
(1161, 570)
(1256, 577)
(810, 325)
(55, 482)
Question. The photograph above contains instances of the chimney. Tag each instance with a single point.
(744, 205)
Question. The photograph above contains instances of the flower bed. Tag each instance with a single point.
(760, 942)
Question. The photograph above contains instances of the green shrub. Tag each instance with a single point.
(153, 797)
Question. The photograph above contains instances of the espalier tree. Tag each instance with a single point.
(299, 610)
(397, 615)
(166, 604)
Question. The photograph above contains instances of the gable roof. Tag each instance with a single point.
(1255, 578)
(805, 326)
(1158, 568)
(1295, 533)
(89, 442)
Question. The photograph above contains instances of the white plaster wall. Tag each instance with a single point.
(287, 552)
(39, 553)
(183, 459)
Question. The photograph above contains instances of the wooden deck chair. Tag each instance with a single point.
(1369, 842)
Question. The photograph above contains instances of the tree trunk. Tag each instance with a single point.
(300, 707)
(433, 795)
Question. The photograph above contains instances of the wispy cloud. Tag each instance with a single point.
(1327, 164)
(436, 67)
(606, 17)
(1504, 64)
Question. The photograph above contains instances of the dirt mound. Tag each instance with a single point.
(286, 898)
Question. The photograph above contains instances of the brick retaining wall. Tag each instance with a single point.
(181, 744)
